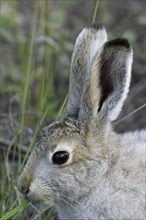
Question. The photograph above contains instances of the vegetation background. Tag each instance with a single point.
(36, 42)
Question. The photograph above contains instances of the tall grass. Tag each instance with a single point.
(13, 205)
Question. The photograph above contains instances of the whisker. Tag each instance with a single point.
(66, 207)
(72, 207)
(82, 206)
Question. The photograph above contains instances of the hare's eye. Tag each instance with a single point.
(60, 157)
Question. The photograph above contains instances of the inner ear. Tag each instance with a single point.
(105, 83)
(112, 69)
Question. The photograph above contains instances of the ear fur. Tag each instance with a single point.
(87, 44)
(107, 84)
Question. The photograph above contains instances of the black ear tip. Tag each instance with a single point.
(119, 42)
(96, 26)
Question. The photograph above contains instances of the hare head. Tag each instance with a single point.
(71, 155)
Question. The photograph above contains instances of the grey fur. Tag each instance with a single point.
(104, 177)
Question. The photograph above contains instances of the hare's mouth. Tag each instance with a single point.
(37, 199)
(30, 196)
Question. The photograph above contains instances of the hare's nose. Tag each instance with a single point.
(23, 184)
(24, 189)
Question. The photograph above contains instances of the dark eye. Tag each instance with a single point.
(60, 157)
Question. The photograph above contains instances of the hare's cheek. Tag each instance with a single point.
(42, 169)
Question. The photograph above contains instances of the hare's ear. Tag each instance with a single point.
(107, 83)
(90, 39)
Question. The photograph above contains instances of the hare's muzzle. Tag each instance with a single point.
(23, 183)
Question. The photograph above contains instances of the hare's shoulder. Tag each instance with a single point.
(131, 161)
(128, 173)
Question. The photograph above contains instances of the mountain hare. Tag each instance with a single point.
(79, 164)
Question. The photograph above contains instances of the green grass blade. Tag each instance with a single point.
(95, 11)
(15, 210)
(63, 105)
(27, 79)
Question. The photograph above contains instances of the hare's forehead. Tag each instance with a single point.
(68, 146)
(63, 134)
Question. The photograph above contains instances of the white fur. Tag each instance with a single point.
(98, 41)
